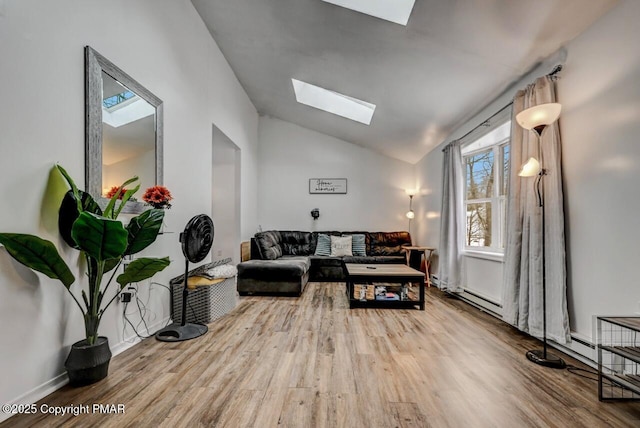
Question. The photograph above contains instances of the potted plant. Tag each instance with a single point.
(103, 242)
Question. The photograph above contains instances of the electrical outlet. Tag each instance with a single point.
(125, 296)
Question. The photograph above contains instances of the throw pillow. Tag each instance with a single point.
(223, 271)
(340, 246)
(358, 245)
(269, 244)
(323, 248)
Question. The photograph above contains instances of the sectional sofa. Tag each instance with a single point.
(282, 262)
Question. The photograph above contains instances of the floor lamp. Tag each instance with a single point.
(537, 119)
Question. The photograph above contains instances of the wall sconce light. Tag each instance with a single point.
(315, 213)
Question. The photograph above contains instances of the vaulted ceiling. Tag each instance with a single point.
(426, 79)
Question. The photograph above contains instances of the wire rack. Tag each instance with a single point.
(618, 358)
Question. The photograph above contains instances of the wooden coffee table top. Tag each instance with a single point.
(382, 270)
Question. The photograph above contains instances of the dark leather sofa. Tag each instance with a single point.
(282, 262)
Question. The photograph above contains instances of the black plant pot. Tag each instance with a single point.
(87, 364)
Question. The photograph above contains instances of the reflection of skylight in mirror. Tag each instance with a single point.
(397, 11)
(333, 102)
(117, 99)
(127, 111)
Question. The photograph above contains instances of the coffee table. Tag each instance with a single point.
(383, 273)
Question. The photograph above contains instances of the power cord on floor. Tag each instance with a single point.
(143, 311)
(574, 370)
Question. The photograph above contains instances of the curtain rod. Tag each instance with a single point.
(485, 123)
(557, 69)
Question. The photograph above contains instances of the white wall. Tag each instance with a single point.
(165, 46)
(225, 197)
(290, 155)
(600, 124)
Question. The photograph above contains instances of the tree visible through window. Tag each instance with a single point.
(486, 166)
(480, 183)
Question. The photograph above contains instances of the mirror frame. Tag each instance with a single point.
(95, 64)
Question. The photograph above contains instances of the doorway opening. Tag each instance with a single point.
(225, 198)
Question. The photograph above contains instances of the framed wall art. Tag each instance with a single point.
(336, 186)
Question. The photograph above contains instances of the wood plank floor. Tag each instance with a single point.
(313, 362)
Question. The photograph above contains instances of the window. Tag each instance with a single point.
(486, 171)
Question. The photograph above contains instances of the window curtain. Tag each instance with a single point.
(522, 287)
(451, 228)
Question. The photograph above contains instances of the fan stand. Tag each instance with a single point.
(185, 330)
(197, 240)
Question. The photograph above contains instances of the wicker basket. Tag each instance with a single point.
(207, 302)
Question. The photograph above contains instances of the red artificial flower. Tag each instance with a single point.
(114, 190)
(158, 197)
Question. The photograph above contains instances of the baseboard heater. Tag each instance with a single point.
(499, 305)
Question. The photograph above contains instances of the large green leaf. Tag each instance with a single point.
(72, 184)
(110, 264)
(143, 230)
(100, 237)
(109, 210)
(69, 213)
(141, 269)
(127, 195)
(37, 254)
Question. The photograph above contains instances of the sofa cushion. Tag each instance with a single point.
(323, 247)
(341, 246)
(388, 243)
(375, 259)
(295, 243)
(269, 244)
(322, 261)
(284, 268)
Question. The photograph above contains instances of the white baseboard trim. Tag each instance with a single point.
(38, 393)
(52, 385)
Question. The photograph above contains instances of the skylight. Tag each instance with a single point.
(397, 11)
(333, 102)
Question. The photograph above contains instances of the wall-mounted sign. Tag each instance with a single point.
(328, 185)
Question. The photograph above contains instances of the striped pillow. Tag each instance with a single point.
(323, 248)
(358, 245)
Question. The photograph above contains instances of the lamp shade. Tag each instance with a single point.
(539, 116)
(530, 169)
(411, 192)
(410, 215)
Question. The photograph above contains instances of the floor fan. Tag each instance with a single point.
(196, 240)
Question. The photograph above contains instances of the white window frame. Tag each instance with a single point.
(496, 250)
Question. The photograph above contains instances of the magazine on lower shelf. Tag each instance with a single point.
(388, 296)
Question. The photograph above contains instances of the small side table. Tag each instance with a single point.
(414, 258)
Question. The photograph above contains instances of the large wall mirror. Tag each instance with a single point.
(123, 129)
